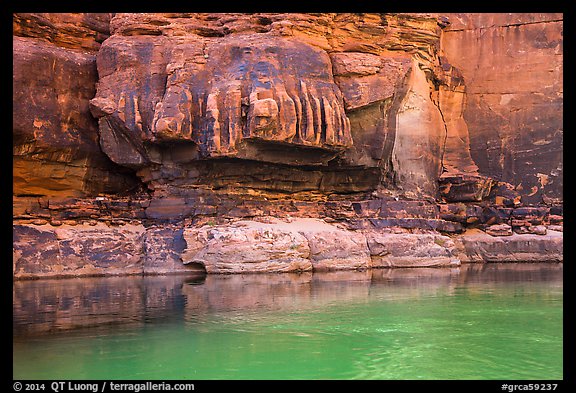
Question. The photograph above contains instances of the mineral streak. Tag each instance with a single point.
(167, 142)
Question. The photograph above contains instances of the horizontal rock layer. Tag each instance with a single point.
(85, 31)
(200, 205)
(481, 247)
(268, 245)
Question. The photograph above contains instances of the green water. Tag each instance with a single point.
(490, 322)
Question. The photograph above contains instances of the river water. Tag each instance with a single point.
(489, 321)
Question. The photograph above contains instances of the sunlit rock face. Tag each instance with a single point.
(447, 107)
(55, 138)
(511, 67)
(222, 97)
(319, 98)
(135, 131)
(461, 107)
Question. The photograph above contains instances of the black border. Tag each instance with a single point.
(333, 6)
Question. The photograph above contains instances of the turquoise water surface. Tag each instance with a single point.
(495, 321)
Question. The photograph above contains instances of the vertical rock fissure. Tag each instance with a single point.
(385, 162)
(443, 152)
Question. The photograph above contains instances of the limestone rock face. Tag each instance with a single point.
(266, 245)
(276, 246)
(411, 250)
(162, 248)
(246, 247)
(310, 244)
(482, 247)
(336, 249)
(76, 250)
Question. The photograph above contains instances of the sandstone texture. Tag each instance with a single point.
(268, 245)
(512, 66)
(296, 245)
(499, 230)
(55, 138)
(247, 247)
(162, 249)
(155, 143)
(274, 88)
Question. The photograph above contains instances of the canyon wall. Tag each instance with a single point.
(55, 139)
(512, 68)
(155, 126)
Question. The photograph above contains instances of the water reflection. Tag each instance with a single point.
(43, 307)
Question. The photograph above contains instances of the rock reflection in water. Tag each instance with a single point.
(51, 306)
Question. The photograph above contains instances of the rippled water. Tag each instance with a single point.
(493, 321)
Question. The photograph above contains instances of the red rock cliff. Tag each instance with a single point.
(402, 128)
(55, 139)
(507, 109)
(335, 103)
(393, 100)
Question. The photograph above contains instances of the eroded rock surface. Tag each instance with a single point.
(246, 247)
(176, 89)
(482, 247)
(55, 138)
(411, 250)
(219, 135)
(512, 66)
(76, 250)
(324, 246)
(266, 245)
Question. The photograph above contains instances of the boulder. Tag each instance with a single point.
(275, 246)
(246, 247)
(499, 230)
